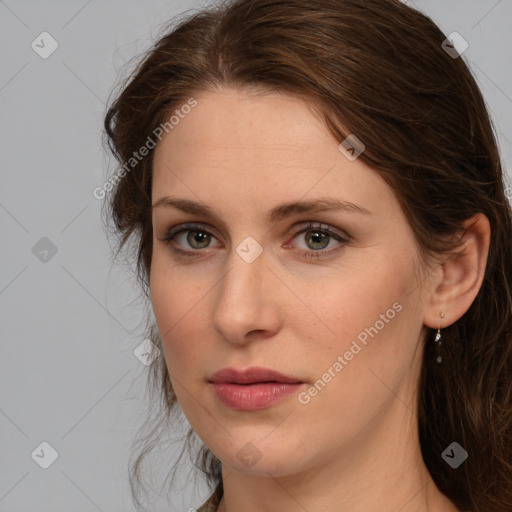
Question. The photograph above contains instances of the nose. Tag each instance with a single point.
(247, 304)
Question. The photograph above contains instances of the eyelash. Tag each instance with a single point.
(310, 226)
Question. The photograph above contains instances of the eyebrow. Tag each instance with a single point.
(277, 213)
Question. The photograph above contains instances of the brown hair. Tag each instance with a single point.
(375, 68)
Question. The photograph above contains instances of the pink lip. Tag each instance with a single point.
(252, 389)
(252, 375)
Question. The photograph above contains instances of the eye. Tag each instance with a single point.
(317, 238)
(198, 237)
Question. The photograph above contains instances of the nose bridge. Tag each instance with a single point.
(240, 304)
(242, 282)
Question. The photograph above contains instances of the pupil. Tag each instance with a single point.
(317, 237)
(198, 237)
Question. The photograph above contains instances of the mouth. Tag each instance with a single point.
(252, 389)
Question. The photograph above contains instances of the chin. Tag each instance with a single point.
(262, 458)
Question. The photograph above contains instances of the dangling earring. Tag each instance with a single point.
(438, 343)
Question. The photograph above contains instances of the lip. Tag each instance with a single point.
(252, 375)
(252, 389)
(253, 397)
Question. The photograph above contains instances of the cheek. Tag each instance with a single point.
(368, 320)
(355, 298)
(183, 329)
(177, 307)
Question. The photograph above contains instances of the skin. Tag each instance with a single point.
(354, 446)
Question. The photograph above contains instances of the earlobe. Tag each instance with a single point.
(461, 275)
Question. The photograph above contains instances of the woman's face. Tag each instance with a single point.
(341, 313)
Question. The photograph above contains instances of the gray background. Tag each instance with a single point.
(70, 322)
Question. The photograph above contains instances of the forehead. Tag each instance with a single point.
(267, 146)
(231, 120)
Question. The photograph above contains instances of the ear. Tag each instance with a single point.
(460, 277)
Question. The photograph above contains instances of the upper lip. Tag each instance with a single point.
(250, 376)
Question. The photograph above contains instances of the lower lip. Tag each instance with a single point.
(252, 397)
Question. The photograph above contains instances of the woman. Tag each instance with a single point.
(318, 203)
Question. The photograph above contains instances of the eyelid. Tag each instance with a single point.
(188, 226)
(321, 226)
